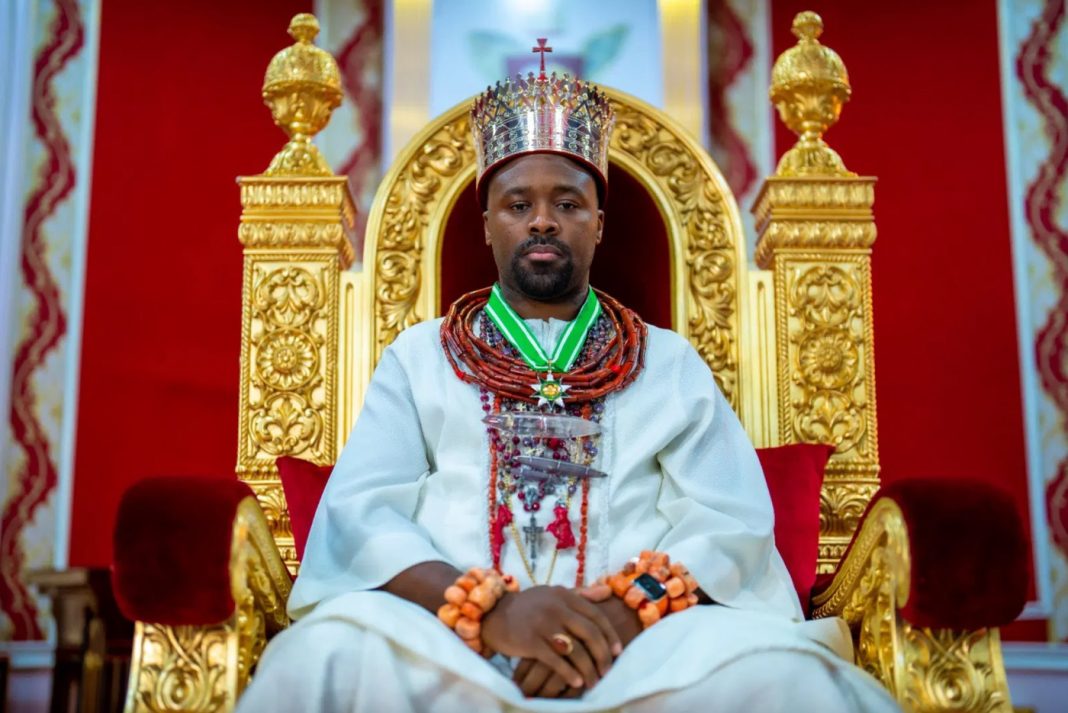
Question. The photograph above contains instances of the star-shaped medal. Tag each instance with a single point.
(550, 391)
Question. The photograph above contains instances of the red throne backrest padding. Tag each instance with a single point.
(172, 549)
(632, 261)
(969, 552)
(794, 474)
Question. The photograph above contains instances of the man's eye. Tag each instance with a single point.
(517, 207)
(567, 205)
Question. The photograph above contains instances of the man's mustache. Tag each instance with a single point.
(539, 240)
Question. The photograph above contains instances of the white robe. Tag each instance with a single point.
(411, 486)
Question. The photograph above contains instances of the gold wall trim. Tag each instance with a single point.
(402, 253)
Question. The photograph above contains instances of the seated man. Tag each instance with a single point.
(449, 569)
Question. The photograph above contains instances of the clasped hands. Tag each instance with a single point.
(596, 627)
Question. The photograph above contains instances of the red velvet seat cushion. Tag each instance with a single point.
(794, 474)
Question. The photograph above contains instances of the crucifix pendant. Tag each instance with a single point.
(531, 535)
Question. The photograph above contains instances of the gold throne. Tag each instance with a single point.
(789, 339)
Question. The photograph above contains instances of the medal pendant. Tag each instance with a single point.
(550, 391)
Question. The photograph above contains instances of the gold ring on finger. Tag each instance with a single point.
(562, 644)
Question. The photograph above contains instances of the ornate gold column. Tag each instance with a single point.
(815, 226)
(296, 227)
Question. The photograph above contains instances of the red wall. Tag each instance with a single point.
(178, 117)
(925, 118)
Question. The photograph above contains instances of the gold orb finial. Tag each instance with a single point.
(302, 87)
(304, 27)
(809, 85)
(807, 26)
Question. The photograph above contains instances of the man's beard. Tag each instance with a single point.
(543, 283)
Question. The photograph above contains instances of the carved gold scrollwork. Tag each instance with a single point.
(816, 230)
(828, 336)
(697, 205)
(285, 423)
(288, 404)
(948, 670)
(273, 504)
(417, 185)
(287, 297)
(927, 670)
(842, 505)
(181, 668)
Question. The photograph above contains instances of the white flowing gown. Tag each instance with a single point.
(411, 486)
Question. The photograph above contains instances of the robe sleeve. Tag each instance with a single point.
(364, 533)
(716, 499)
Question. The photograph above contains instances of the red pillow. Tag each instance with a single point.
(794, 474)
(303, 484)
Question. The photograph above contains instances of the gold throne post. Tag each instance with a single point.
(789, 339)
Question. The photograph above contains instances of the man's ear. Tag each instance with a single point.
(600, 225)
(485, 225)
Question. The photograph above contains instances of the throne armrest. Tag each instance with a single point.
(933, 567)
(196, 567)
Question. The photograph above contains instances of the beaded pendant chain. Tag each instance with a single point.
(505, 450)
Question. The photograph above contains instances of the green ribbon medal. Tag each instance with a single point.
(549, 389)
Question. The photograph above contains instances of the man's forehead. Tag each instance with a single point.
(522, 172)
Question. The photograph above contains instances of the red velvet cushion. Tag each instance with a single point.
(303, 483)
(172, 549)
(794, 474)
(969, 552)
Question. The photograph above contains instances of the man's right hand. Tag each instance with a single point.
(524, 623)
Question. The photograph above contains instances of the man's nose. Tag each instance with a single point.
(542, 222)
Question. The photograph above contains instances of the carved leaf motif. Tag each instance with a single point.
(273, 502)
(841, 507)
(288, 297)
(926, 670)
(285, 424)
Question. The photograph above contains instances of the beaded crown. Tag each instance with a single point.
(542, 114)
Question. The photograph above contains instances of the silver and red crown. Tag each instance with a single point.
(542, 114)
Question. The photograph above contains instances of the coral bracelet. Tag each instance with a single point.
(654, 586)
(472, 597)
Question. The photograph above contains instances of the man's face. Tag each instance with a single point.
(543, 223)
